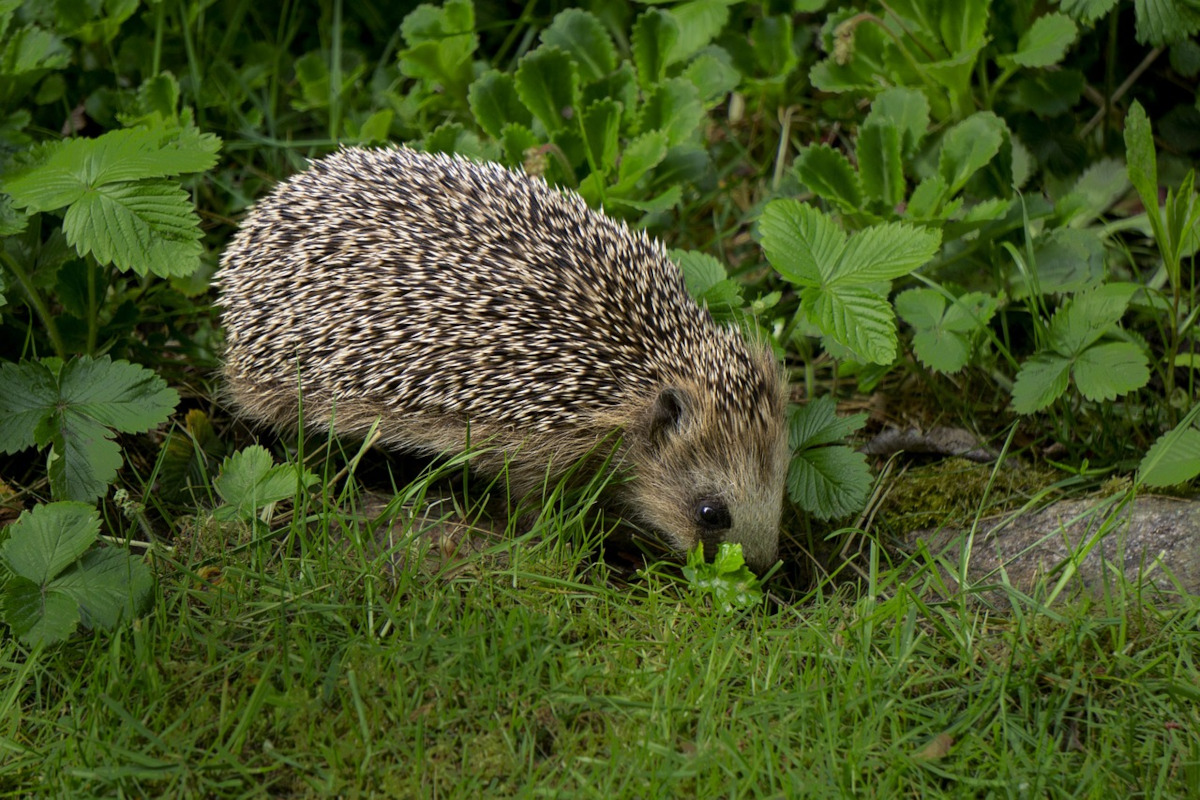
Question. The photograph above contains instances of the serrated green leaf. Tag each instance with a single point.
(441, 41)
(583, 37)
(970, 312)
(83, 459)
(1172, 460)
(1106, 371)
(1161, 22)
(654, 35)
(601, 123)
(516, 139)
(38, 617)
(829, 175)
(856, 317)
(700, 271)
(942, 350)
(28, 393)
(1040, 381)
(117, 394)
(494, 102)
(921, 308)
(884, 252)
(640, 156)
(149, 227)
(968, 147)
(829, 482)
(926, 200)
(1087, 10)
(800, 242)
(880, 167)
(713, 77)
(1043, 43)
(548, 85)
(907, 110)
(250, 480)
(70, 407)
(49, 538)
(674, 108)
(63, 172)
(109, 584)
(699, 22)
(1088, 316)
(771, 37)
(1067, 260)
(1140, 160)
(816, 423)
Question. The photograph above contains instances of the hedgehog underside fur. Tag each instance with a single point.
(425, 292)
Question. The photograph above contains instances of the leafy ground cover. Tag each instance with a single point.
(977, 214)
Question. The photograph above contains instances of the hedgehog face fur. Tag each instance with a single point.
(428, 292)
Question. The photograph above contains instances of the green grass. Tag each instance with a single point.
(296, 664)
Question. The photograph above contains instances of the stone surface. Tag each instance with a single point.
(1155, 540)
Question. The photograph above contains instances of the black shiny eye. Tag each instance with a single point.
(713, 515)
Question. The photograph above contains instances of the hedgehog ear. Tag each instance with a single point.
(668, 414)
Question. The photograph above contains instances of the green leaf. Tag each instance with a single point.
(1087, 316)
(816, 423)
(1106, 371)
(109, 584)
(926, 200)
(879, 163)
(60, 173)
(856, 317)
(771, 37)
(698, 22)
(829, 482)
(38, 616)
(654, 36)
(731, 584)
(907, 110)
(516, 139)
(1161, 22)
(800, 242)
(28, 392)
(548, 85)
(250, 480)
(829, 175)
(46, 540)
(674, 108)
(601, 123)
(968, 147)
(1101, 185)
(1173, 459)
(883, 252)
(83, 459)
(583, 37)
(943, 332)
(713, 77)
(148, 226)
(700, 271)
(1040, 381)
(1140, 161)
(1068, 260)
(1044, 43)
(73, 407)
(1087, 10)
(641, 155)
(440, 42)
(494, 102)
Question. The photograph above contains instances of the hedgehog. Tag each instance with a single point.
(451, 303)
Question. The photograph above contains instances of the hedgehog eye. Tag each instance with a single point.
(712, 514)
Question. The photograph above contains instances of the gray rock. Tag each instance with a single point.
(1154, 541)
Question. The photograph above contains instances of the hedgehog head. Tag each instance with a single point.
(706, 471)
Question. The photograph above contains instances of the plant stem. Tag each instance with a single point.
(36, 301)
